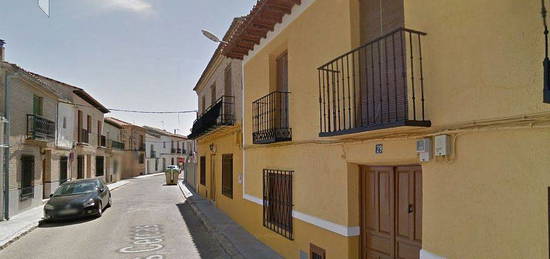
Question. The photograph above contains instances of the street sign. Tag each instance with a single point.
(44, 6)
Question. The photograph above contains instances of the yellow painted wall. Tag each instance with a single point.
(482, 62)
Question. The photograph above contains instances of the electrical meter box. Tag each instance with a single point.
(442, 145)
(424, 149)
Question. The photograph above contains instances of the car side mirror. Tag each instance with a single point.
(51, 195)
(100, 189)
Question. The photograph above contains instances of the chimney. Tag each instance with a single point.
(2, 50)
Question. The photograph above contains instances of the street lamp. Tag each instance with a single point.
(546, 62)
(212, 37)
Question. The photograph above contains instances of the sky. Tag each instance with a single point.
(128, 54)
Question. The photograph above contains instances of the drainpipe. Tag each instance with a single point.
(6, 145)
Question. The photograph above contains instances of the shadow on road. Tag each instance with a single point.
(66, 222)
(206, 245)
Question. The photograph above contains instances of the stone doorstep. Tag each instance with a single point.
(28, 220)
(221, 230)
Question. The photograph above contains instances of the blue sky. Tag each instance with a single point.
(129, 54)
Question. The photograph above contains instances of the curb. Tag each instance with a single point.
(224, 242)
(19, 234)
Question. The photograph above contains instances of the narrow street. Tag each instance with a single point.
(147, 220)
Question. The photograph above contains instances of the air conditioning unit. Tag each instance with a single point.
(423, 145)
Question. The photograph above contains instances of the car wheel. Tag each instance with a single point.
(99, 209)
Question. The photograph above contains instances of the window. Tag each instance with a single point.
(316, 252)
(64, 122)
(164, 144)
(212, 94)
(37, 105)
(203, 170)
(99, 165)
(277, 205)
(228, 82)
(27, 176)
(152, 151)
(203, 104)
(99, 133)
(141, 158)
(227, 175)
(80, 167)
(63, 169)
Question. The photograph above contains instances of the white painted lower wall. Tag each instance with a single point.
(424, 254)
(346, 231)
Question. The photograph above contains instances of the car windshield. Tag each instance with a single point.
(75, 188)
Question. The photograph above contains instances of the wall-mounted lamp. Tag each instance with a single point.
(212, 148)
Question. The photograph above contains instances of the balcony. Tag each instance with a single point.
(218, 115)
(141, 147)
(174, 151)
(40, 128)
(376, 86)
(270, 119)
(117, 145)
(84, 136)
(153, 154)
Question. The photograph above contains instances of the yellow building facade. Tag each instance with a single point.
(424, 136)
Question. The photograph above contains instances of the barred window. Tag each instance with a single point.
(227, 175)
(27, 176)
(277, 207)
(316, 252)
(99, 165)
(203, 170)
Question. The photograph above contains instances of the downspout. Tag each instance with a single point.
(6, 146)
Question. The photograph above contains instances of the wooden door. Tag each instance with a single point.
(280, 120)
(391, 212)
(213, 177)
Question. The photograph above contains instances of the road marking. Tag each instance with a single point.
(146, 239)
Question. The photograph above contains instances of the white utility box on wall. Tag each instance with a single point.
(424, 149)
(442, 145)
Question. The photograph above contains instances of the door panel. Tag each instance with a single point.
(391, 212)
(213, 177)
(378, 233)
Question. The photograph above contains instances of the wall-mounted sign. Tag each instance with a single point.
(379, 149)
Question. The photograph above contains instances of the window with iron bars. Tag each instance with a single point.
(277, 203)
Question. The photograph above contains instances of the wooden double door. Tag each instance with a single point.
(391, 212)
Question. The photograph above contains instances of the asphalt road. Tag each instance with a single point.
(147, 220)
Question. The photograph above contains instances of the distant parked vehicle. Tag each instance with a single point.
(174, 167)
(79, 198)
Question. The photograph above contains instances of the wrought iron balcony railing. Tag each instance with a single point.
(117, 145)
(174, 151)
(378, 85)
(217, 115)
(270, 119)
(141, 147)
(39, 127)
(84, 136)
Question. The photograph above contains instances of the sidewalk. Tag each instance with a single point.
(25, 222)
(234, 239)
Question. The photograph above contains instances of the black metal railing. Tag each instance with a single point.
(39, 127)
(117, 145)
(378, 85)
(103, 141)
(141, 147)
(270, 119)
(174, 151)
(153, 154)
(277, 201)
(220, 114)
(178, 151)
(84, 136)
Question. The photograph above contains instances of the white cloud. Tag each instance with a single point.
(138, 6)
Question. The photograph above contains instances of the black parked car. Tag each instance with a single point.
(79, 198)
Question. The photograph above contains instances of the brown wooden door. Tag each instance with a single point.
(213, 177)
(391, 212)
